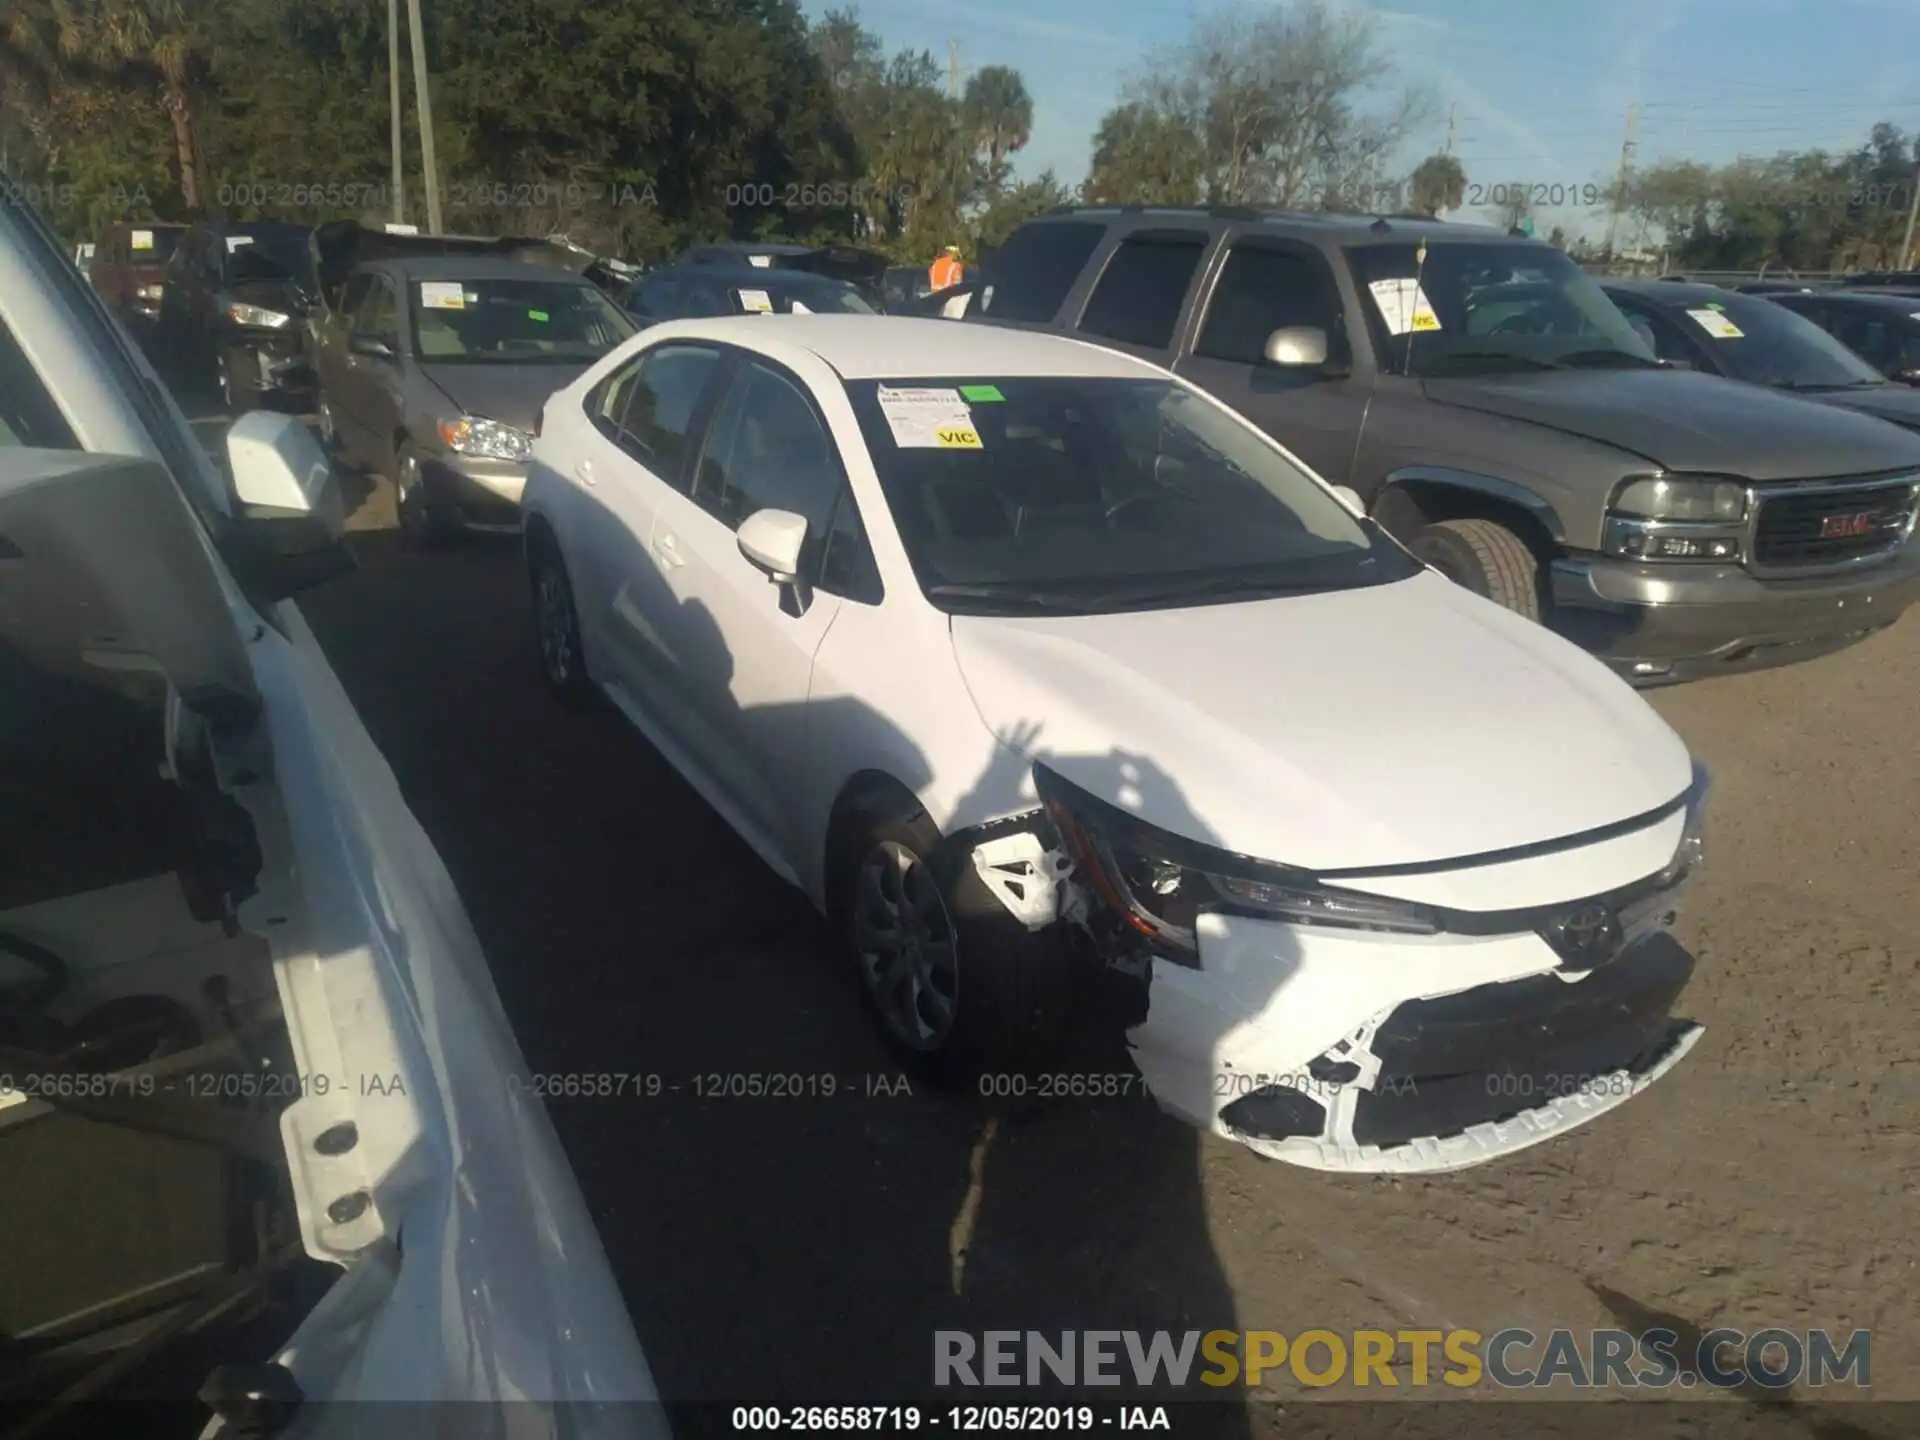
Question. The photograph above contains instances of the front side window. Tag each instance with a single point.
(768, 451)
(1478, 308)
(1260, 290)
(378, 317)
(271, 255)
(513, 321)
(1138, 298)
(1055, 494)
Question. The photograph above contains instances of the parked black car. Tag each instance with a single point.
(1882, 327)
(235, 307)
(1494, 410)
(687, 291)
(862, 269)
(1745, 337)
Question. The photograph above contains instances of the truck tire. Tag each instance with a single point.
(1005, 991)
(1485, 557)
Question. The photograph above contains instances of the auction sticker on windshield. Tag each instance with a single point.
(234, 242)
(928, 419)
(442, 295)
(1404, 306)
(1717, 325)
(756, 302)
(143, 240)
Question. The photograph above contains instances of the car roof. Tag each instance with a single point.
(1672, 292)
(1352, 228)
(1905, 304)
(876, 347)
(467, 267)
(765, 277)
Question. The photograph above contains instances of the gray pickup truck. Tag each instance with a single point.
(1504, 420)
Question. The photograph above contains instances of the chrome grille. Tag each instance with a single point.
(1831, 525)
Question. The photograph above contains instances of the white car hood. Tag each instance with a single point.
(1395, 725)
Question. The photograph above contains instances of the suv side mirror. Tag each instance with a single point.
(1350, 497)
(1304, 347)
(361, 343)
(291, 518)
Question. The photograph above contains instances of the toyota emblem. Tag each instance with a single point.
(1586, 935)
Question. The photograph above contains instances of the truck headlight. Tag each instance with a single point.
(1158, 884)
(493, 439)
(257, 316)
(1660, 498)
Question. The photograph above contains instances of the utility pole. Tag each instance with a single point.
(1448, 148)
(393, 106)
(430, 171)
(1620, 185)
(953, 69)
(1913, 213)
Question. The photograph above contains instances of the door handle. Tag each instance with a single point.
(668, 552)
(585, 471)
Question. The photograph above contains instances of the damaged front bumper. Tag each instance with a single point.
(1355, 1050)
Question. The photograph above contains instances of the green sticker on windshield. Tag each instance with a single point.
(1715, 305)
(539, 315)
(981, 393)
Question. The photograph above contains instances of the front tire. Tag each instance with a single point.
(1486, 558)
(957, 986)
(420, 525)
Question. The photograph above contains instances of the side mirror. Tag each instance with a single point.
(1350, 498)
(291, 516)
(1297, 346)
(772, 540)
(371, 346)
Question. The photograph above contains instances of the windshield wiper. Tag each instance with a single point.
(1582, 359)
(1014, 597)
(1504, 357)
(1215, 586)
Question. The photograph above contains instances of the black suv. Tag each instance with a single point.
(1882, 328)
(235, 309)
(1499, 415)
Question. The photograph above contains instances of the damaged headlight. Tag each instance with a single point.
(1159, 884)
(1691, 850)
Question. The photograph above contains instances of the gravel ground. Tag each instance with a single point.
(807, 1247)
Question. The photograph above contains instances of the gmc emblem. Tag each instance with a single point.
(1842, 527)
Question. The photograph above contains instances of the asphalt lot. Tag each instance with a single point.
(807, 1247)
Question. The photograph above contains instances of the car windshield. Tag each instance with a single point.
(1480, 308)
(826, 297)
(1766, 343)
(513, 321)
(269, 255)
(1076, 495)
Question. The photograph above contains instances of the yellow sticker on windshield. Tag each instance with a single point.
(957, 437)
(1425, 320)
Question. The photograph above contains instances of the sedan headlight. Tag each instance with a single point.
(150, 292)
(257, 316)
(1667, 499)
(494, 439)
(1692, 848)
(1159, 884)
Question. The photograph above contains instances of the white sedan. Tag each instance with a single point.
(1034, 666)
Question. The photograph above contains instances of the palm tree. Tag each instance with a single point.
(147, 43)
(1437, 183)
(999, 115)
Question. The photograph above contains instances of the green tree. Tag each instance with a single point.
(1013, 207)
(1144, 156)
(1438, 183)
(999, 113)
(150, 46)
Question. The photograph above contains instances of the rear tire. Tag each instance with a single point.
(957, 986)
(1487, 558)
(556, 626)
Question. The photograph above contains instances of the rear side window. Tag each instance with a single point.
(1141, 291)
(665, 399)
(1262, 290)
(1032, 273)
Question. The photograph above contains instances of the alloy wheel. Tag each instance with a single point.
(409, 496)
(905, 942)
(553, 611)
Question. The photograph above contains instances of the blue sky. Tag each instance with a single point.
(1539, 89)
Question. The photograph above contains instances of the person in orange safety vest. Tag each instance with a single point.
(946, 270)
